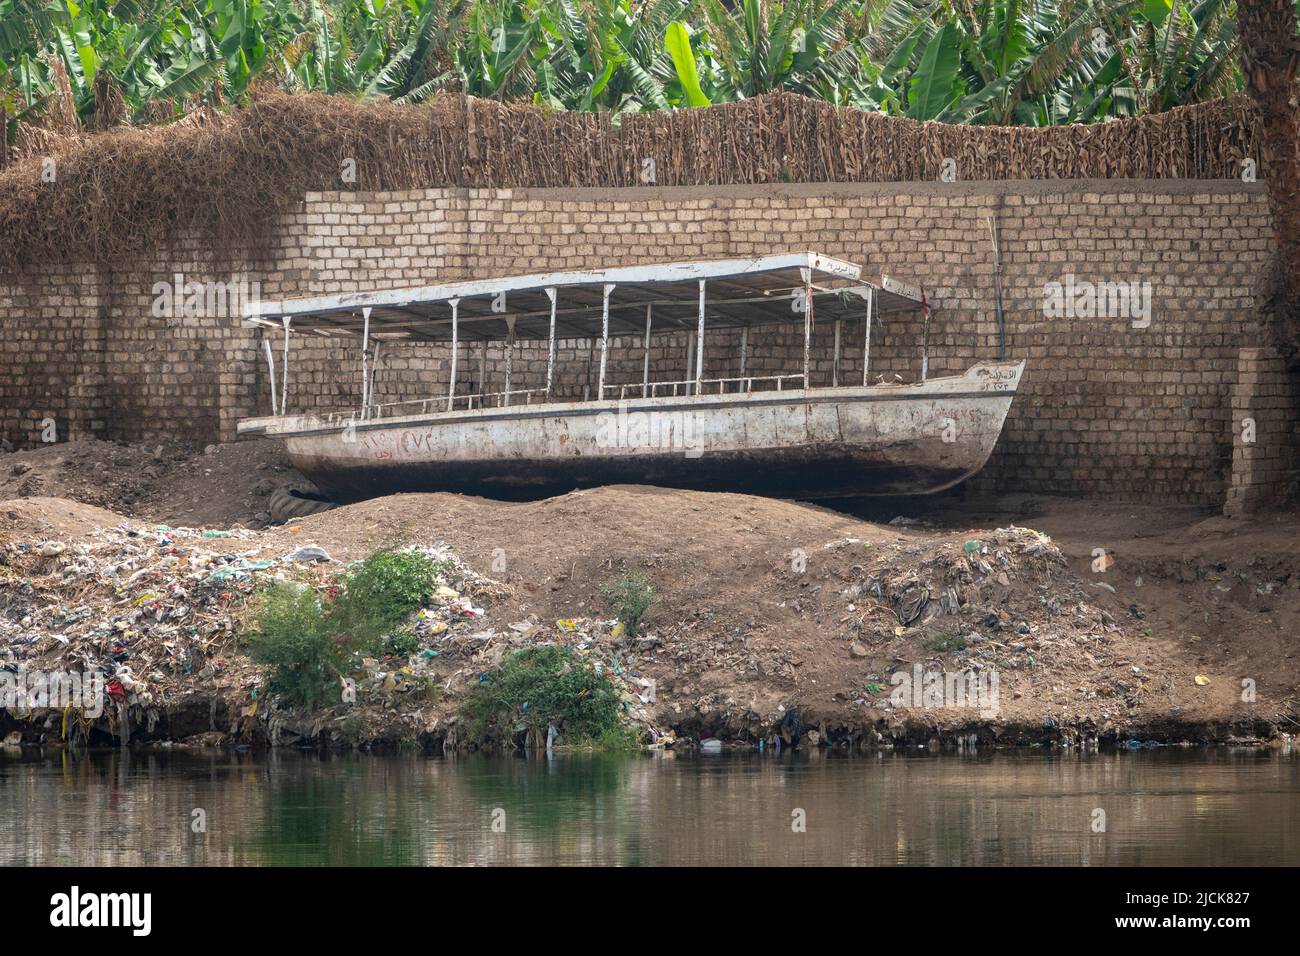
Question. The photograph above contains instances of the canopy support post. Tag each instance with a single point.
(365, 363)
(550, 348)
(604, 342)
(866, 336)
(690, 365)
(925, 336)
(699, 348)
(455, 335)
(510, 355)
(806, 275)
(645, 362)
(270, 364)
(482, 372)
(835, 364)
(284, 387)
(744, 350)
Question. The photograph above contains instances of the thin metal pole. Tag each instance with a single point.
(510, 355)
(690, 364)
(925, 337)
(455, 334)
(645, 365)
(365, 367)
(866, 336)
(374, 373)
(807, 321)
(284, 387)
(699, 348)
(744, 350)
(270, 364)
(835, 365)
(604, 342)
(550, 349)
(482, 369)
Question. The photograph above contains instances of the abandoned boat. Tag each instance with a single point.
(771, 433)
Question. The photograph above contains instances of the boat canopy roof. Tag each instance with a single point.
(738, 292)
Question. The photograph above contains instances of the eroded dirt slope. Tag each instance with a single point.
(764, 609)
(218, 486)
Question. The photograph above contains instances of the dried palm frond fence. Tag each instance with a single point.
(228, 174)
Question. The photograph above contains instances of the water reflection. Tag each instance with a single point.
(1161, 808)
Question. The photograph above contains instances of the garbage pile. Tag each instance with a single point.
(461, 644)
(1001, 599)
(161, 614)
(156, 613)
(151, 610)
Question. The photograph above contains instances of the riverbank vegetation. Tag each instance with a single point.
(309, 643)
(630, 597)
(538, 689)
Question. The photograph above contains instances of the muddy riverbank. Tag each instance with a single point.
(774, 623)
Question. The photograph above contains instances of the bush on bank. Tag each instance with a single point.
(539, 687)
(309, 644)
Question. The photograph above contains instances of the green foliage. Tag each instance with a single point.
(932, 87)
(678, 43)
(630, 597)
(401, 642)
(539, 686)
(309, 645)
(387, 587)
(988, 61)
(944, 642)
(300, 644)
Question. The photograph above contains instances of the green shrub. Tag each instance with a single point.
(387, 586)
(538, 686)
(403, 641)
(944, 641)
(308, 645)
(630, 597)
(300, 644)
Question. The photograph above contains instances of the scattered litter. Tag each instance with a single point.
(307, 554)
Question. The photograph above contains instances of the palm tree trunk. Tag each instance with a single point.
(1270, 53)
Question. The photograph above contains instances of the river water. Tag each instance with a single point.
(1168, 807)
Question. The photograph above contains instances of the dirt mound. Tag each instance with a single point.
(46, 519)
(610, 522)
(772, 620)
(220, 486)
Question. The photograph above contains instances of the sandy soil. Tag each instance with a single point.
(767, 608)
(1206, 597)
(220, 486)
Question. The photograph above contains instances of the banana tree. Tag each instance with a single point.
(758, 46)
(1032, 62)
(1175, 52)
(607, 54)
(1018, 53)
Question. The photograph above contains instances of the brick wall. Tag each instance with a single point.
(1266, 432)
(1108, 407)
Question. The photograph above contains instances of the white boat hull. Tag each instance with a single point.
(824, 442)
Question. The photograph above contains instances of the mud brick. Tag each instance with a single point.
(1105, 409)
